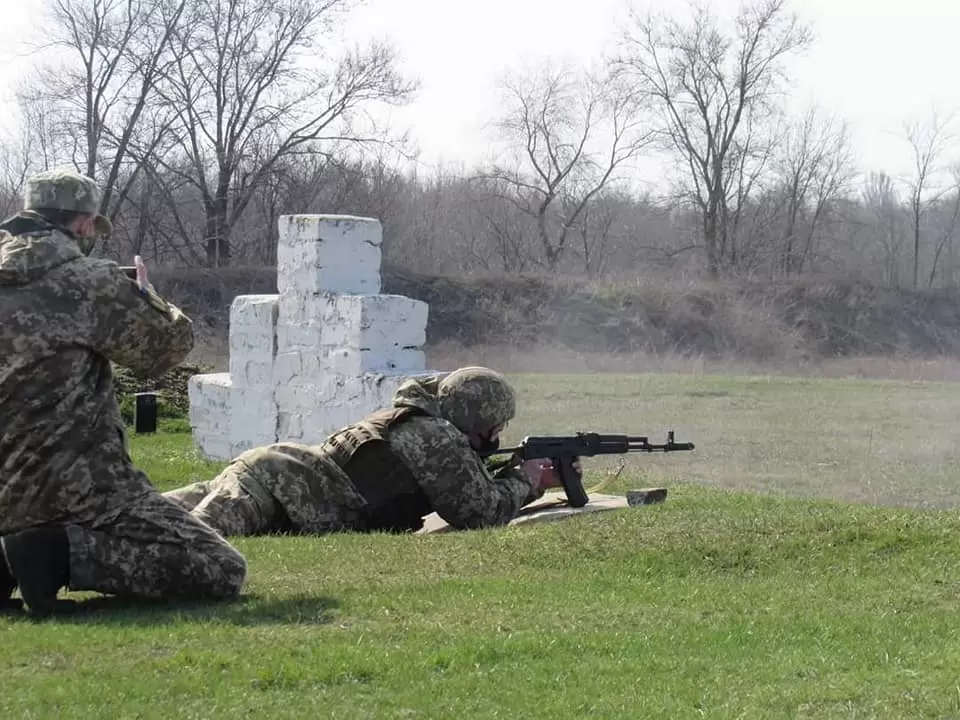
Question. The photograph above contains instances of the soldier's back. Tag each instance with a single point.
(59, 423)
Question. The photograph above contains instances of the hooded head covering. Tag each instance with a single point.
(474, 399)
(69, 191)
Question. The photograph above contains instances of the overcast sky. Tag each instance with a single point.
(875, 62)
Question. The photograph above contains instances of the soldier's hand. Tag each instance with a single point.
(142, 279)
(543, 474)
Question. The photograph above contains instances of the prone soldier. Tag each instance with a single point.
(384, 473)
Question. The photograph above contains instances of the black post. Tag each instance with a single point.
(145, 415)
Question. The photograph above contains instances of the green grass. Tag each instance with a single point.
(719, 603)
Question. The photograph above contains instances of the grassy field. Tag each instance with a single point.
(804, 565)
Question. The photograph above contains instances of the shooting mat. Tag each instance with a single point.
(553, 506)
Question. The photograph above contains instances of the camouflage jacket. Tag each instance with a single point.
(451, 474)
(318, 497)
(63, 318)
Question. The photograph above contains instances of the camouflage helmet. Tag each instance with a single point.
(476, 399)
(66, 190)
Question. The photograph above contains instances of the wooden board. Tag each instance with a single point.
(553, 506)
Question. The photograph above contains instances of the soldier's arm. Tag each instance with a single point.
(135, 327)
(460, 488)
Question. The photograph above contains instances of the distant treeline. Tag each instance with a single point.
(198, 119)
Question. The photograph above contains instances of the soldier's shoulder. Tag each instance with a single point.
(16, 227)
(429, 430)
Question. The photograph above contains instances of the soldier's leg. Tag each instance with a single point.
(231, 510)
(154, 549)
(189, 496)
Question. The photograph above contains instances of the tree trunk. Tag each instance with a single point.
(916, 245)
(710, 243)
(216, 235)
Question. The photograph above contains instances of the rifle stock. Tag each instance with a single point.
(563, 450)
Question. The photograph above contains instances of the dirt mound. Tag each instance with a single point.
(816, 318)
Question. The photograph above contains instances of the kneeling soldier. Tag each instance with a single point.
(74, 510)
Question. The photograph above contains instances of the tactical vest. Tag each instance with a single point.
(396, 502)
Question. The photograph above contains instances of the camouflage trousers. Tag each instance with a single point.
(229, 507)
(153, 549)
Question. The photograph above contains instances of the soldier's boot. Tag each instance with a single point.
(39, 559)
(7, 585)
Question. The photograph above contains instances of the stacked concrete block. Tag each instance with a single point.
(328, 253)
(235, 411)
(324, 352)
(253, 350)
(210, 413)
(253, 339)
(338, 339)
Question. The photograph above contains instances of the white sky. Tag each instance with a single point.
(874, 62)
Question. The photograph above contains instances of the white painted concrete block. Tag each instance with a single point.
(215, 447)
(324, 352)
(291, 338)
(209, 394)
(255, 311)
(297, 308)
(300, 367)
(314, 411)
(322, 422)
(251, 371)
(336, 253)
(303, 367)
(253, 344)
(368, 322)
(348, 361)
(375, 322)
(251, 359)
(210, 413)
(302, 397)
(313, 426)
(253, 413)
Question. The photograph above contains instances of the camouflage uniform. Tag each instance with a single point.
(384, 473)
(63, 317)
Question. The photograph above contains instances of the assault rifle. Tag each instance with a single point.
(564, 449)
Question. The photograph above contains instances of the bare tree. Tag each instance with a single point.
(595, 228)
(245, 98)
(569, 133)
(95, 98)
(815, 167)
(927, 141)
(715, 89)
(505, 226)
(947, 220)
(880, 198)
(15, 165)
(35, 143)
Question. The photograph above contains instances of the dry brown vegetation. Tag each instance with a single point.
(530, 323)
(766, 244)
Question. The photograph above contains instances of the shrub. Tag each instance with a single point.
(173, 400)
